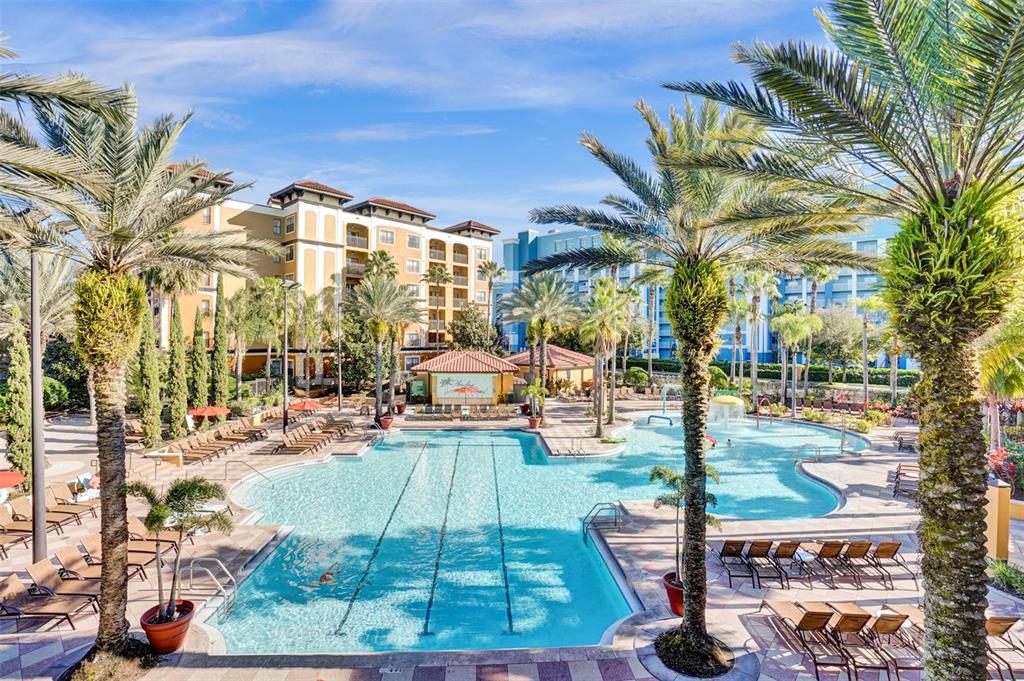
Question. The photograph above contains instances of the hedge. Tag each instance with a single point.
(819, 373)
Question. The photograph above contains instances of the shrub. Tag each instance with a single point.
(719, 380)
(818, 373)
(1007, 577)
(635, 377)
(247, 406)
(877, 417)
(55, 395)
(815, 415)
(861, 425)
(779, 409)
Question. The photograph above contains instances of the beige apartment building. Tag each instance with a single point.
(326, 237)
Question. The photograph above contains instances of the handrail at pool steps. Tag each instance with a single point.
(229, 596)
(250, 467)
(598, 517)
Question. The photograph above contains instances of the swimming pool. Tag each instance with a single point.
(446, 540)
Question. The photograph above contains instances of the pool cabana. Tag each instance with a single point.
(563, 364)
(463, 378)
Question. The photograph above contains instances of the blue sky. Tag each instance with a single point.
(469, 109)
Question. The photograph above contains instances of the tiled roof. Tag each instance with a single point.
(203, 173)
(473, 224)
(395, 205)
(469, 362)
(558, 358)
(313, 186)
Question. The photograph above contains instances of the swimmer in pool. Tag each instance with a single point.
(328, 576)
(728, 442)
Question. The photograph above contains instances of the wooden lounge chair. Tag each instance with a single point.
(914, 614)
(11, 526)
(137, 531)
(761, 565)
(847, 629)
(22, 508)
(9, 541)
(807, 622)
(857, 555)
(62, 493)
(1005, 651)
(17, 603)
(731, 558)
(55, 505)
(48, 580)
(827, 561)
(886, 633)
(786, 557)
(136, 559)
(886, 556)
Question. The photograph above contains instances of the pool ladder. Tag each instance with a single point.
(602, 515)
(228, 589)
(798, 450)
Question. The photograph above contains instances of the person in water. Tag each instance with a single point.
(328, 576)
(728, 442)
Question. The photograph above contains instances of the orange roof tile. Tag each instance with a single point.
(473, 224)
(203, 173)
(313, 186)
(466, 362)
(395, 205)
(557, 358)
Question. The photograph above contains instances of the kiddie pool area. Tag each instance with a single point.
(445, 540)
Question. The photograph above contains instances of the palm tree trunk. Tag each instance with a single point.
(755, 312)
(796, 380)
(611, 386)
(172, 598)
(109, 382)
(810, 339)
(378, 362)
(784, 353)
(394, 373)
(266, 367)
(162, 611)
(239, 355)
(599, 362)
(625, 352)
(544, 356)
(533, 360)
(894, 361)
(732, 361)
(995, 440)
(652, 304)
(90, 387)
(952, 503)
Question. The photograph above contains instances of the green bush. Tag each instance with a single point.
(861, 425)
(55, 395)
(635, 377)
(818, 372)
(247, 406)
(877, 417)
(719, 380)
(815, 415)
(1007, 577)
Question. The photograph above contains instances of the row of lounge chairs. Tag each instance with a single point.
(61, 509)
(312, 436)
(448, 412)
(855, 561)
(905, 439)
(906, 479)
(204, 447)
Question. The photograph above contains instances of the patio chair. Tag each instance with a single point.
(136, 559)
(22, 509)
(760, 562)
(17, 603)
(787, 556)
(914, 614)
(887, 557)
(847, 628)
(886, 633)
(48, 580)
(55, 505)
(807, 624)
(857, 556)
(63, 493)
(10, 526)
(137, 531)
(731, 558)
(827, 561)
(1006, 652)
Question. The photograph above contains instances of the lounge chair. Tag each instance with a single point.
(857, 555)
(55, 505)
(17, 603)
(137, 531)
(732, 559)
(1005, 651)
(22, 509)
(886, 556)
(62, 493)
(887, 635)
(913, 613)
(48, 580)
(827, 561)
(807, 623)
(760, 562)
(787, 556)
(136, 559)
(8, 525)
(847, 629)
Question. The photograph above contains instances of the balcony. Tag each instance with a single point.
(354, 268)
(460, 258)
(356, 241)
(415, 340)
(460, 302)
(459, 280)
(436, 255)
(435, 301)
(438, 325)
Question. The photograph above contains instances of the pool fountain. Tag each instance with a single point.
(725, 408)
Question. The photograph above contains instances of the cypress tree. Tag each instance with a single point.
(199, 367)
(177, 372)
(149, 386)
(19, 403)
(219, 374)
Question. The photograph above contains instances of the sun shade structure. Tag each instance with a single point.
(209, 411)
(563, 364)
(465, 378)
(305, 405)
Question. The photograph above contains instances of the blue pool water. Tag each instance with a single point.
(471, 540)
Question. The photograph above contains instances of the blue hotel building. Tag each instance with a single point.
(847, 286)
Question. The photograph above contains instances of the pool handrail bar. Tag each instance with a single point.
(598, 517)
(771, 417)
(671, 423)
(250, 467)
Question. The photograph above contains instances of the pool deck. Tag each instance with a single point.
(642, 547)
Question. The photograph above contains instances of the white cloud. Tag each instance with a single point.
(400, 132)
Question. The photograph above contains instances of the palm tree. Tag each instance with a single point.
(490, 271)
(761, 285)
(700, 224)
(1001, 358)
(793, 329)
(382, 263)
(56, 294)
(604, 319)
(268, 318)
(915, 114)
(132, 227)
(544, 301)
(309, 326)
(439, 276)
(739, 310)
(654, 278)
(380, 302)
(242, 327)
(818, 274)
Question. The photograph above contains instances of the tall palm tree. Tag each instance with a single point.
(761, 285)
(382, 263)
(268, 318)
(739, 311)
(1001, 359)
(133, 226)
(700, 224)
(655, 279)
(604, 320)
(545, 301)
(915, 113)
(437, 276)
(490, 271)
(241, 327)
(380, 302)
(56, 294)
(817, 274)
(793, 329)
(309, 326)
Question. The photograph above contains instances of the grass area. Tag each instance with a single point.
(1007, 577)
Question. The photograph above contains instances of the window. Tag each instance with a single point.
(867, 247)
(412, 265)
(277, 258)
(481, 296)
(410, 361)
(481, 254)
(289, 224)
(204, 307)
(277, 225)
(412, 289)
(480, 276)
(289, 254)
(207, 216)
(289, 277)
(387, 237)
(559, 246)
(412, 241)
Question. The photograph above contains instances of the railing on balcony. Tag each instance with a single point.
(436, 254)
(353, 267)
(460, 281)
(357, 241)
(460, 302)
(461, 258)
(438, 325)
(415, 340)
(435, 301)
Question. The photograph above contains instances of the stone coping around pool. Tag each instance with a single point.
(747, 666)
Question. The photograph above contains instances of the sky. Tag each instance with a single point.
(470, 109)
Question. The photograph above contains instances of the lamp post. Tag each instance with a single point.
(38, 441)
(286, 286)
(337, 362)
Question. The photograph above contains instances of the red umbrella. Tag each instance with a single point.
(466, 391)
(305, 405)
(209, 411)
(11, 479)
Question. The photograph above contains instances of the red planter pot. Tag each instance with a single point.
(535, 422)
(400, 407)
(385, 422)
(675, 593)
(169, 636)
(524, 408)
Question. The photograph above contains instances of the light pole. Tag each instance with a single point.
(38, 441)
(286, 286)
(337, 362)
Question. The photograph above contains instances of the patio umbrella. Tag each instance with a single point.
(11, 479)
(305, 405)
(209, 411)
(466, 391)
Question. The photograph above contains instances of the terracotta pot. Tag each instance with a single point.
(675, 593)
(535, 422)
(169, 636)
(400, 407)
(524, 408)
(385, 422)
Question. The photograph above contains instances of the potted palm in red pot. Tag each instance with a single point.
(180, 509)
(675, 482)
(536, 393)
